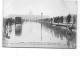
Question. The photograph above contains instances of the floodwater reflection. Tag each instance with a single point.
(18, 29)
(61, 33)
(31, 32)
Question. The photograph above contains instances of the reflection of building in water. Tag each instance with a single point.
(18, 29)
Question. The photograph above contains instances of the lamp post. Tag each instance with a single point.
(41, 25)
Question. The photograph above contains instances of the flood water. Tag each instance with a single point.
(33, 32)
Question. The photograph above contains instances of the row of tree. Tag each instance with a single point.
(60, 19)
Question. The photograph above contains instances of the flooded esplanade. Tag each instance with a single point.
(40, 31)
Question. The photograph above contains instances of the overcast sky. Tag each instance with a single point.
(47, 7)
